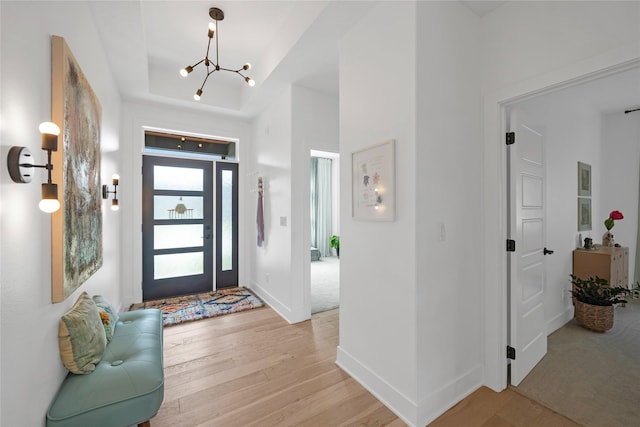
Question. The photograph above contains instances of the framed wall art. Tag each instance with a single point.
(373, 182)
(584, 180)
(584, 213)
(76, 228)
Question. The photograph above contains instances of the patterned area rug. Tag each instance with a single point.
(201, 306)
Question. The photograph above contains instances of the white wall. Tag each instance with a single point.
(299, 120)
(529, 47)
(448, 200)
(270, 157)
(620, 175)
(31, 369)
(378, 259)
(135, 118)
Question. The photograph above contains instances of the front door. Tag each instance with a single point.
(177, 227)
(527, 329)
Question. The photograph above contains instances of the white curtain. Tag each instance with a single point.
(321, 204)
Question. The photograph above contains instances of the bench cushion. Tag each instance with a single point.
(127, 386)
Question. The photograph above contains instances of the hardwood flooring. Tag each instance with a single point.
(254, 369)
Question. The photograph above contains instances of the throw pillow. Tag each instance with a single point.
(81, 336)
(108, 315)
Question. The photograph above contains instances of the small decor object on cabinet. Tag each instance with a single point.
(373, 182)
(607, 238)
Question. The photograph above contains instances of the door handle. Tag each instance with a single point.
(547, 251)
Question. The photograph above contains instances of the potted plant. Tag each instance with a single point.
(334, 242)
(594, 301)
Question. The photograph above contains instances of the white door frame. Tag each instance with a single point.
(495, 192)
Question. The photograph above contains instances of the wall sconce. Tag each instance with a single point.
(20, 161)
(115, 179)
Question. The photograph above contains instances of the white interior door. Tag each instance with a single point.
(527, 330)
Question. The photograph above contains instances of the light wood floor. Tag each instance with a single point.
(254, 369)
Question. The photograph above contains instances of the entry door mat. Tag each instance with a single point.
(202, 306)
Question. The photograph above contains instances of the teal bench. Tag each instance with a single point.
(127, 386)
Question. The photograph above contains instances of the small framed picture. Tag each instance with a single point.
(584, 213)
(373, 189)
(584, 180)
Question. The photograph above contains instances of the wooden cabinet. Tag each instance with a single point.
(607, 263)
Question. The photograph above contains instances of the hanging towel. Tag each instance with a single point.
(260, 214)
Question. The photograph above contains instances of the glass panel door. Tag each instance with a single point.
(227, 224)
(177, 212)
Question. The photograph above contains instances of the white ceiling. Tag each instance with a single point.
(287, 42)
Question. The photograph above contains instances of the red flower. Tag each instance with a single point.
(616, 215)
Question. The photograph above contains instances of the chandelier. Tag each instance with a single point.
(213, 66)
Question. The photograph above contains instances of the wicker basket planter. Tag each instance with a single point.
(594, 317)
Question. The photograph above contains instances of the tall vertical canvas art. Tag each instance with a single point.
(76, 236)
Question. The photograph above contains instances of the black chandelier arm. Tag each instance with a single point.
(199, 62)
(233, 71)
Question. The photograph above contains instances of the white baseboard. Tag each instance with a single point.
(429, 408)
(560, 320)
(291, 316)
(393, 399)
(441, 400)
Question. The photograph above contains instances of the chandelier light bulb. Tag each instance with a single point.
(212, 26)
(197, 95)
(250, 81)
(246, 66)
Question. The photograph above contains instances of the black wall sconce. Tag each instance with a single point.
(115, 180)
(20, 163)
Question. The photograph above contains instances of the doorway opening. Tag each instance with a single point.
(325, 231)
(582, 123)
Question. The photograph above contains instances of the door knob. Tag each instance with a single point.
(547, 251)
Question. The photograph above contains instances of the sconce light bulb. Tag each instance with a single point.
(250, 81)
(377, 207)
(49, 205)
(49, 128)
(115, 179)
(246, 66)
(114, 205)
(197, 95)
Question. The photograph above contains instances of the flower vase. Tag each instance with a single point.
(607, 239)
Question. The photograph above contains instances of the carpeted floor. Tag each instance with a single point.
(592, 378)
(325, 284)
(201, 306)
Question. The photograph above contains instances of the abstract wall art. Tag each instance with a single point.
(76, 237)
